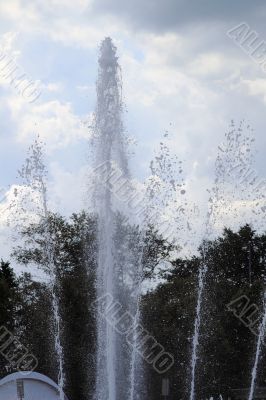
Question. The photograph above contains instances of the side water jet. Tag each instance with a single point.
(258, 351)
(133, 361)
(232, 186)
(34, 175)
(195, 342)
(203, 270)
(222, 173)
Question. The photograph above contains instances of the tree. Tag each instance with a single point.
(34, 319)
(75, 248)
(8, 286)
(236, 266)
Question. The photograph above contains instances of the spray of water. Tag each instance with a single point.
(163, 207)
(110, 149)
(258, 351)
(203, 270)
(33, 174)
(195, 342)
(234, 156)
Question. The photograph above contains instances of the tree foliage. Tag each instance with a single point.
(236, 267)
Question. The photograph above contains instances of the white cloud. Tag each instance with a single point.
(256, 87)
(52, 87)
(63, 21)
(208, 64)
(184, 79)
(53, 121)
(20, 13)
(67, 189)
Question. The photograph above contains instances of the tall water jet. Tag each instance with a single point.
(109, 151)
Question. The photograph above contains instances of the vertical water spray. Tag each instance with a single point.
(133, 360)
(258, 351)
(195, 342)
(34, 175)
(201, 286)
(109, 151)
(218, 197)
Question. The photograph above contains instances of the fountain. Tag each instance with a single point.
(114, 362)
(222, 196)
(195, 342)
(258, 351)
(33, 174)
(121, 243)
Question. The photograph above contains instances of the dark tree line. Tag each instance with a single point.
(236, 266)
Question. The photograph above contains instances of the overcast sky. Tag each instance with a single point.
(181, 72)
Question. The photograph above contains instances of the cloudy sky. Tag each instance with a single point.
(181, 73)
